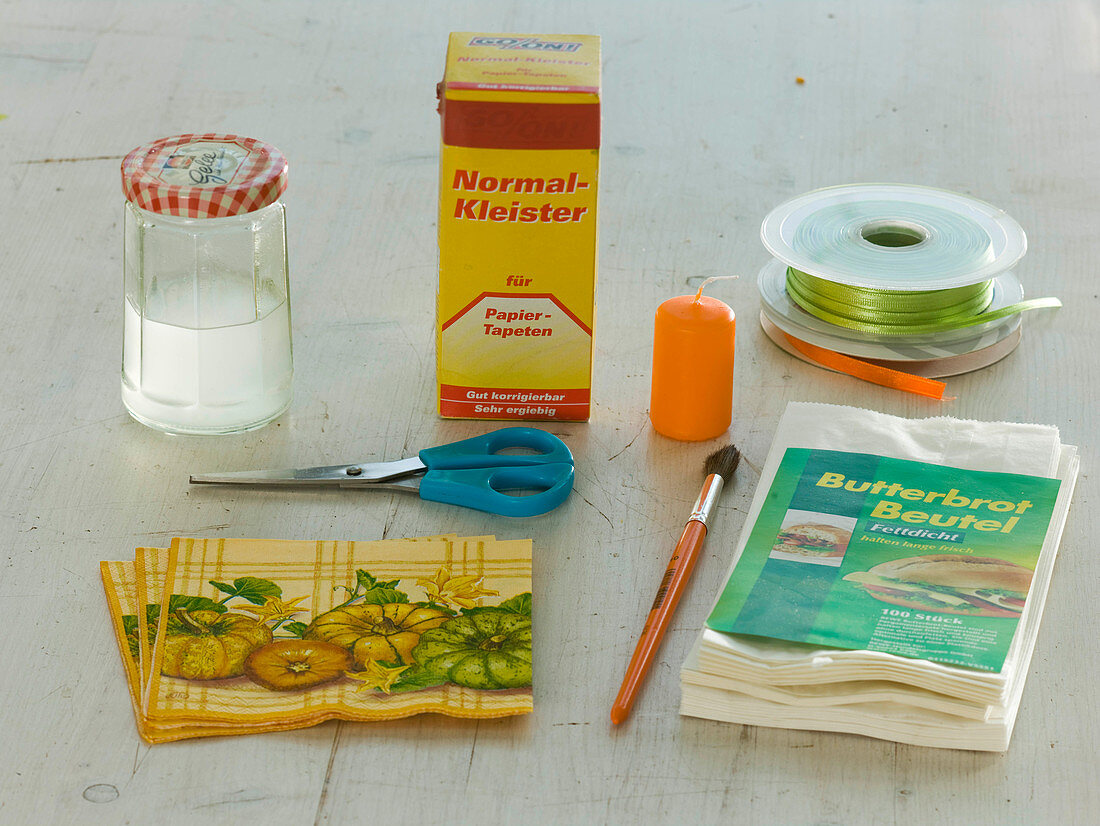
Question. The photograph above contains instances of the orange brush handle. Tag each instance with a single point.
(668, 595)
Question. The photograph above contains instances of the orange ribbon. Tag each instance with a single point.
(869, 372)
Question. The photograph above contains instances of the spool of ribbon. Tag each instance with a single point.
(883, 312)
(901, 312)
(892, 268)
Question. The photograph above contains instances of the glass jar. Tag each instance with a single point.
(206, 344)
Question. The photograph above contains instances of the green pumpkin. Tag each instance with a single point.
(209, 645)
(486, 650)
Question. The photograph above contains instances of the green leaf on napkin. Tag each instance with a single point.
(251, 588)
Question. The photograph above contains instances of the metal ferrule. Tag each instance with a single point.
(708, 498)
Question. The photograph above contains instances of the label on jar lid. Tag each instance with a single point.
(203, 163)
(204, 176)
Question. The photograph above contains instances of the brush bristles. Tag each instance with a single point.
(723, 462)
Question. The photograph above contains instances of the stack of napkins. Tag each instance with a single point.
(234, 636)
(889, 580)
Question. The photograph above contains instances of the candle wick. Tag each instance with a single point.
(699, 293)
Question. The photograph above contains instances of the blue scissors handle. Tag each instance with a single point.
(480, 488)
(483, 451)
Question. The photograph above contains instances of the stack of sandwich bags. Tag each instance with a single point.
(884, 688)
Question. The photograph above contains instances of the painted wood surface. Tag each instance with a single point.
(705, 130)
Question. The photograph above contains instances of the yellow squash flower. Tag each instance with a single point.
(463, 591)
(376, 675)
(273, 609)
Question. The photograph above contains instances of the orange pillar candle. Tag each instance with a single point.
(691, 398)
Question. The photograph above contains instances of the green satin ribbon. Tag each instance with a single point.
(901, 312)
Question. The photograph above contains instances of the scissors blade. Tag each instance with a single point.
(361, 474)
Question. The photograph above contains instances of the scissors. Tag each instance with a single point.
(471, 473)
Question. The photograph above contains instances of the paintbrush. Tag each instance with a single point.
(718, 467)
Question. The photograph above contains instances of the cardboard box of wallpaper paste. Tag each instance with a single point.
(519, 167)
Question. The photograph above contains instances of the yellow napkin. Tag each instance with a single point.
(119, 585)
(266, 635)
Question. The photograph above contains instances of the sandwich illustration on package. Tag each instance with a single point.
(976, 586)
(813, 540)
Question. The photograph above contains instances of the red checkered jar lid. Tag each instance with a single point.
(204, 176)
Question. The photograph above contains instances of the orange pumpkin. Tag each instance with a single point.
(383, 633)
(286, 665)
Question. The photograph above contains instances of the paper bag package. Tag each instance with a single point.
(519, 167)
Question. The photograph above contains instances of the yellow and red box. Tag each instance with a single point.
(518, 241)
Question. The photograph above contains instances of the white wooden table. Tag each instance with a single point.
(705, 130)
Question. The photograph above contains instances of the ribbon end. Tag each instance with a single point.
(873, 373)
